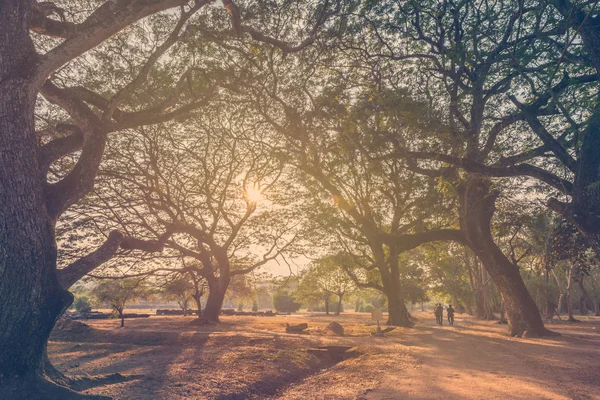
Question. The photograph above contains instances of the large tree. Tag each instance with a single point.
(462, 55)
(222, 194)
(374, 209)
(55, 53)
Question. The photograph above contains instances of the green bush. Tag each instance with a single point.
(284, 302)
(82, 304)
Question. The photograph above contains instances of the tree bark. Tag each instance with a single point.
(327, 305)
(31, 299)
(477, 207)
(397, 312)
(583, 310)
(217, 288)
(569, 300)
(198, 305)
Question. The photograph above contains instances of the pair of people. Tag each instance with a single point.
(439, 314)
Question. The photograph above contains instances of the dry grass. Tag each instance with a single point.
(253, 358)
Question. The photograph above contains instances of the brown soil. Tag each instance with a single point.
(253, 358)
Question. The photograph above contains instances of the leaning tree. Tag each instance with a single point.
(460, 58)
(98, 68)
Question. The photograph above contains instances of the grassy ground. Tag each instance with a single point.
(253, 358)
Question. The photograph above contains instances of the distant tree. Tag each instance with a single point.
(119, 292)
(570, 251)
(284, 302)
(326, 278)
(82, 304)
(240, 291)
(220, 194)
(181, 290)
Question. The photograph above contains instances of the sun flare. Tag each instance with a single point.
(253, 194)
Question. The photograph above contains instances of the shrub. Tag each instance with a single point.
(82, 304)
(284, 302)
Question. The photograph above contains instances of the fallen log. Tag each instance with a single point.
(299, 328)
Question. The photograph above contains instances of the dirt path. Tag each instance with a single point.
(477, 360)
(253, 358)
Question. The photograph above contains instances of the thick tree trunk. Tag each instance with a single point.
(216, 296)
(327, 305)
(397, 312)
(477, 207)
(31, 299)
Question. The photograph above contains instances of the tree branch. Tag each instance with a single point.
(116, 239)
(107, 20)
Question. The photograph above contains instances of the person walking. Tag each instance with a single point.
(450, 312)
(440, 314)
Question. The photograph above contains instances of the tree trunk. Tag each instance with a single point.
(198, 305)
(31, 299)
(327, 305)
(584, 297)
(502, 313)
(477, 207)
(570, 304)
(479, 287)
(559, 307)
(338, 310)
(217, 288)
(569, 275)
(397, 312)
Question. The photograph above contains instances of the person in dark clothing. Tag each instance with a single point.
(450, 312)
(439, 313)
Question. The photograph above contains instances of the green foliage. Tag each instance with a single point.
(284, 302)
(447, 272)
(118, 292)
(82, 304)
(180, 290)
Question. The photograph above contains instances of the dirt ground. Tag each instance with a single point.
(253, 358)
